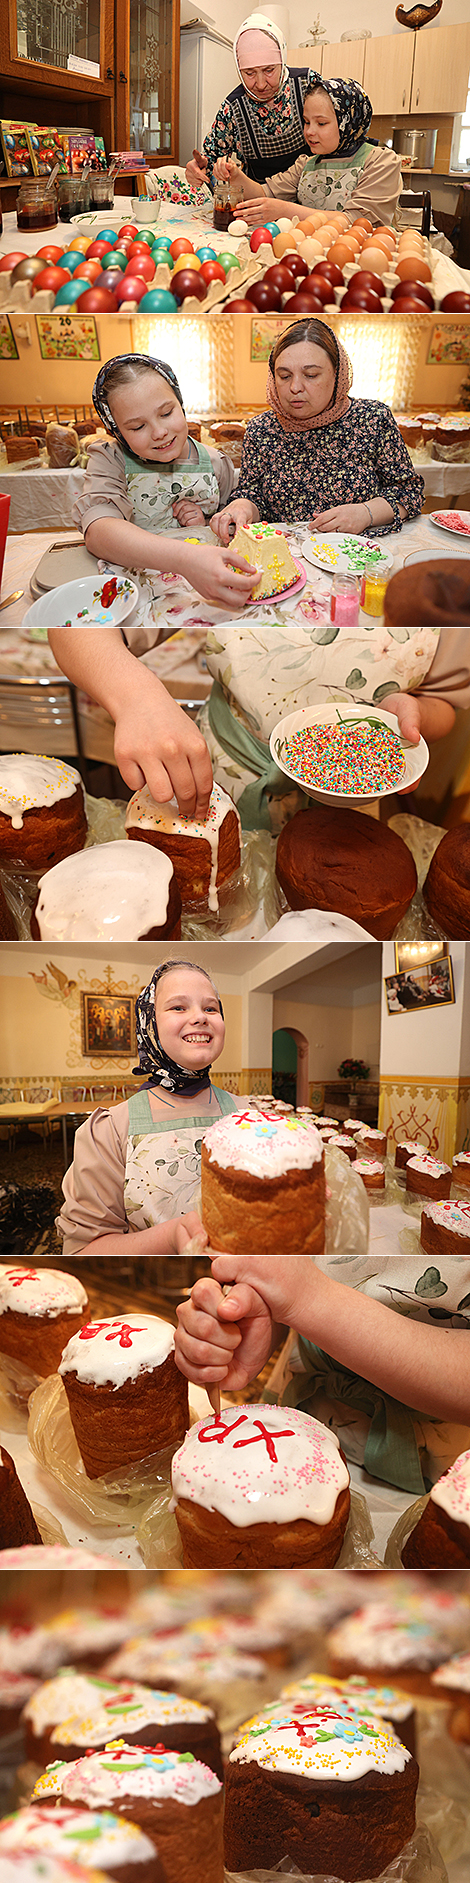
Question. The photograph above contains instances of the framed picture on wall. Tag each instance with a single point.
(429, 985)
(108, 1029)
(417, 954)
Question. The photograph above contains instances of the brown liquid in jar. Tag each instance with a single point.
(37, 219)
(222, 217)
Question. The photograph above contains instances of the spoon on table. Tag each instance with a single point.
(16, 597)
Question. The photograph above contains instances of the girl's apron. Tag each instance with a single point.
(262, 675)
(163, 1161)
(403, 1447)
(329, 182)
(154, 491)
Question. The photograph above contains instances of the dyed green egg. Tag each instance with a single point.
(158, 301)
(164, 255)
(145, 235)
(228, 261)
(117, 259)
(70, 292)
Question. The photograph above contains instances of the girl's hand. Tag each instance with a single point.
(409, 714)
(256, 210)
(186, 511)
(238, 512)
(157, 744)
(347, 516)
(186, 1228)
(211, 1345)
(222, 578)
(284, 1282)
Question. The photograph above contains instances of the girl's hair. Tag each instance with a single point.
(122, 372)
(316, 334)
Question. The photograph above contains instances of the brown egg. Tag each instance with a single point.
(380, 242)
(341, 221)
(326, 234)
(352, 243)
(339, 254)
(309, 227)
(282, 243)
(362, 222)
(413, 268)
(375, 259)
(315, 219)
(411, 241)
(383, 230)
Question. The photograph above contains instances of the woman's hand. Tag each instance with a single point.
(186, 1228)
(210, 1344)
(187, 512)
(157, 744)
(196, 171)
(257, 210)
(222, 169)
(355, 517)
(236, 513)
(222, 577)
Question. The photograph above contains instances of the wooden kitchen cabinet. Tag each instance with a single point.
(441, 69)
(147, 78)
(388, 71)
(345, 60)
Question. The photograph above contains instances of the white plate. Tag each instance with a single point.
(329, 552)
(437, 517)
(70, 605)
(436, 555)
(416, 756)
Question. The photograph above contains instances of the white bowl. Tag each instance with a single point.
(416, 756)
(70, 605)
(145, 208)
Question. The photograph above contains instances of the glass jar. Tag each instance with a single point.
(223, 211)
(101, 190)
(74, 196)
(34, 209)
(373, 587)
(344, 601)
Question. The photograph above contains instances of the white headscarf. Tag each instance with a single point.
(259, 23)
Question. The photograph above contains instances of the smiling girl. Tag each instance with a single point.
(136, 1167)
(345, 170)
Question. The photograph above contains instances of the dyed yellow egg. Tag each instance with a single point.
(186, 261)
(375, 259)
(82, 242)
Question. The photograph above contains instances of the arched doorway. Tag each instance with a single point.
(290, 1065)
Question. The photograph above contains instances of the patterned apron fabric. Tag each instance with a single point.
(163, 1162)
(328, 182)
(153, 491)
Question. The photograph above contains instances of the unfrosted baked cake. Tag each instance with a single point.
(263, 1184)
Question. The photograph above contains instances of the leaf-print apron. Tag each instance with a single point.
(328, 182)
(163, 1161)
(403, 1447)
(261, 674)
(153, 491)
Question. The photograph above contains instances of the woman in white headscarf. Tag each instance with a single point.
(261, 121)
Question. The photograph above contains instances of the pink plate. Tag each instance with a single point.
(283, 593)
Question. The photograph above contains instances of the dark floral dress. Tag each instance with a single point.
(264, 137)
(291, 475)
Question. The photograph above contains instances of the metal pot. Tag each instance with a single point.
(419, 146)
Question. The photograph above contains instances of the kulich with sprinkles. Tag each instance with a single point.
(130, 1711)
(355, 1695)
(91, 1840)
(265, 547)
(34, 1867)
(461, 1169)
(441, 1538)
(428, 1176)
(397, 1639)
(40, 1308)
(205, 854)
(332, 1790)
(173, 1798)
(451, 1682)
(371, 1171)
(260, 1487)
(445, 1228)
(127, 1398)
(360, 760)
(263, 1184)
(42, 810)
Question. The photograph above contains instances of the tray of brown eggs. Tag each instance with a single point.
(319, 266)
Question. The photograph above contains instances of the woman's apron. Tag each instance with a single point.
(163, 1161)
(262, 675)
(329, 182)
(403, 1447)
(153, 491)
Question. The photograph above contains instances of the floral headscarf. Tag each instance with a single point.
(343, 381)
(152, 1057)
(99, 397)
(352, 109)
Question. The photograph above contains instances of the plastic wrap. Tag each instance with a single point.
(422, 839)
(117, 1500)
(160, 1541)
(17, 1382)
(254, 887)
(420, 1861)
(402, 1530)
(106, 824)
(347, 1207)
(444, 1768)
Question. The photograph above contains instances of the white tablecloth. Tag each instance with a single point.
(42, 499)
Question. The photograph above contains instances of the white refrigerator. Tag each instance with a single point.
(207, 73)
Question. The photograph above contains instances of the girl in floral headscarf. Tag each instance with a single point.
(345, 171)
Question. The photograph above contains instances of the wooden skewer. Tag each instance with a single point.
(213, 1392)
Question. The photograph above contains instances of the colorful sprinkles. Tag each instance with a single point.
(354, 760)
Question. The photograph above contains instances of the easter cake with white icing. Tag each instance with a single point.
(127, 1398)
(461, 1169)
(331, 1790)
(75, 1713)
(428, 1176)
(40, 1308)
(260, 1487)
(445, 1228)
(394, 1640)
(108, 893)
(263, 1184)
(451, 1682)
(205, 852)
(92, 1840)
(172, 1797)
(265, 547)
(441, 1538)
(42, 810)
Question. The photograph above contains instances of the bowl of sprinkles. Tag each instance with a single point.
(347, 754)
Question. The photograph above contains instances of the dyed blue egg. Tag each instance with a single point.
(161, 241)
(273, 227)
(158, 301)
(206, 254)
(70, 292)
(106, 235)
(71, 260)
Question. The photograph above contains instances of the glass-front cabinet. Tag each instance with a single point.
(147, 60)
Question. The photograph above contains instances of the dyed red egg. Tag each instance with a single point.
(238, 307)
(212, 271)
(320, 287)
(417, 290)
(97, 301)
(187, 281)
(50, 254)
(8, 262)
(130, 288)
(305, 303)
(97, 249)
(364, 279)
(330, 272)
(141, 264)
(265, 298)
(363, 302)
(409, 304)
(128, 228)
(181, 247)
(259, 236)
(455, 303)
(89, 271)
(50, 278)
(281, 277)
(298, 266)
